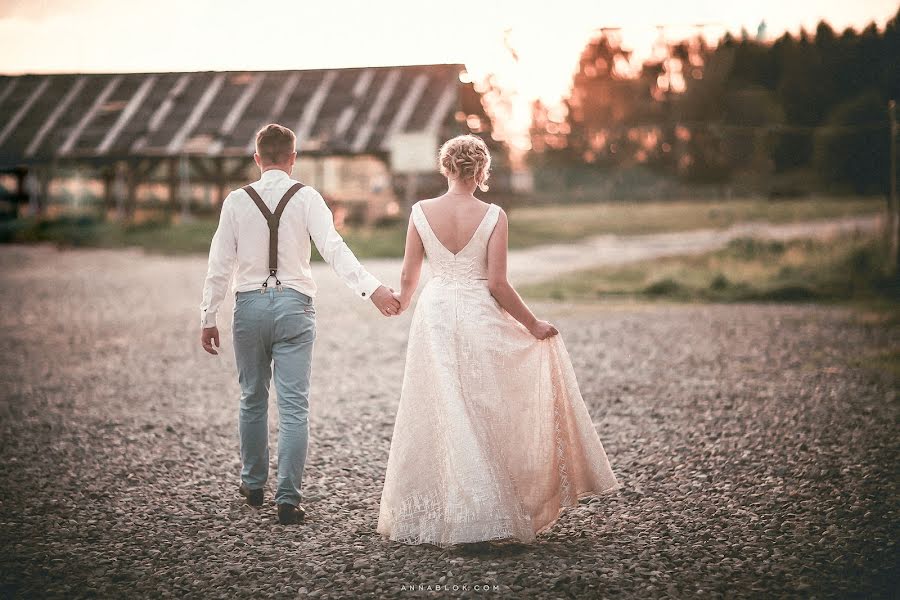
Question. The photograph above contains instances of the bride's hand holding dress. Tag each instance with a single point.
(542, 330)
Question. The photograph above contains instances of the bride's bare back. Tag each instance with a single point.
(454, 219)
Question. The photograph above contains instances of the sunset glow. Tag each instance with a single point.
(530, 52)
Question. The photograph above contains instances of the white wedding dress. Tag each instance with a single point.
(492, 438)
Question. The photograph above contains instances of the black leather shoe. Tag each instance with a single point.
(254, 497)
(288, 514)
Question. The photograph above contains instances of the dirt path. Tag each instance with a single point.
(756, 448)
(534, 264)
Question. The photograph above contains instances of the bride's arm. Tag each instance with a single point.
(412, 265)
(503, 291)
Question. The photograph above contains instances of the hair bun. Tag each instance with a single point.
(465, 157)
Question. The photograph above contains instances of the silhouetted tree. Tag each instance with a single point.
(808, 100)
(852, 148)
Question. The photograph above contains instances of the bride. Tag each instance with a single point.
(492, 438)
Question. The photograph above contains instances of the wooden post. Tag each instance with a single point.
(131, 196)
(184, 187)
(37, 186)
(172, 184)
(893, 221)
(120, 189)
(21, 190)
(220, 182)
(108, 195)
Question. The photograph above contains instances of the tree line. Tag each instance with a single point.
(803, 111)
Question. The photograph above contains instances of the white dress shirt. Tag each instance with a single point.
(242, 240)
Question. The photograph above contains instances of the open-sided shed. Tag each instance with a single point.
(184, 139)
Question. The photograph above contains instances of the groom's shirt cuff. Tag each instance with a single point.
(367, 285)
(207, 319)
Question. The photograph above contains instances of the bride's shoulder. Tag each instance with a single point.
(501, 214)
(427, 201)
(423, 203)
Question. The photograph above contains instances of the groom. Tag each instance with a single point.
(264, 230)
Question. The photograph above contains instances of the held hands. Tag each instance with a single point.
(387, 301)
(543, 330)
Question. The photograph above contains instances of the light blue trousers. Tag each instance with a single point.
(277, 327)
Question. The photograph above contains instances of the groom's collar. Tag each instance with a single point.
(273, 174)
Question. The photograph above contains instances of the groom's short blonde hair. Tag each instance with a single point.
(275, 143)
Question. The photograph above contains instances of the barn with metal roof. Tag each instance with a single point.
(186, 138)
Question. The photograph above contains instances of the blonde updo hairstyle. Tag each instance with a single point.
(466, 157)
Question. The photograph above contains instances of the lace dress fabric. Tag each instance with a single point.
(492, 438)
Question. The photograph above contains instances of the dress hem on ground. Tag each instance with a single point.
(540, 531)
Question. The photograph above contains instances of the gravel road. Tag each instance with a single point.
(757, 450)
(540, 262)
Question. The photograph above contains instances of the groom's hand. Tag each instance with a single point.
(208, 335)
(383, 299)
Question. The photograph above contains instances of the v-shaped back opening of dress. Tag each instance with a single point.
(471, 237)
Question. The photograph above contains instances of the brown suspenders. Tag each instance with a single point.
(273, 219)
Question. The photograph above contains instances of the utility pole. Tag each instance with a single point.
(894, 203)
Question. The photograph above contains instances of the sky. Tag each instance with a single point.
(52, 36)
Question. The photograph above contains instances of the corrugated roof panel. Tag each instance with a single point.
(363, 132)
(427, 102)
(107, 114)
(235, 84)
(340, 96)
(20, 137)
(396, 119)
(131, 107)
(118, 115)
(52, 117)
(257, 112)
(311, 109)
(182, 108)
(108, 88)
(68, 121)
(357, 111)
(138, 125)
(19, 101)
(184, 140)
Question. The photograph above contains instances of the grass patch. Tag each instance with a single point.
(176, 238)
(887, 361)
(843, 269)
(90, 231)
(374, 242)
(529, 226)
